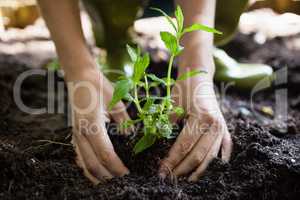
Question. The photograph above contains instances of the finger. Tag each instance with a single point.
(174, 118)
(90, 160)
(120, 115)
(197, 155)
(79, 161)
(213, 153)
(104, 151)
(183, 145)
(226, 147)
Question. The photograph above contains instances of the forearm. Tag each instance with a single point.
(198, 45)
(63, 21)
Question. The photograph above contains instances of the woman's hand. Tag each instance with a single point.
(204, 134)
(90, 93)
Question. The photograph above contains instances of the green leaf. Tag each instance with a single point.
(148, 104)
(179, 50)
(154, 108)
(156, 79)
(172, 81)
(167, 103)
(129, 123)
(189, 74)
(128, 97)
(140, 66)
(145, 142)
(164, 126)
(167, 17)
(165, 131)
(54, 65)
(148, 122)
(180, 18)
(132, 53)
(141, 84)
(153, 84)
(170, 41)
(179, 111)
(121, 77)
(200, 27)
(121, 90)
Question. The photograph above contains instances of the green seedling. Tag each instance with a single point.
(153, 111)
(53, 65)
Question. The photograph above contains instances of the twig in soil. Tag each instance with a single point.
(68, 136)
(54, 142)
(47, 142)
(32, 147)
(10, 186)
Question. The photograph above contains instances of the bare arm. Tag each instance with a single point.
(63, 21)
(95, 152)
(196, 146)
(198, 45)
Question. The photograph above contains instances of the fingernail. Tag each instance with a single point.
(162, 175)
(192, 179)
(127, 172)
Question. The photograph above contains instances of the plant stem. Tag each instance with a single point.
(136, 100)
(169, 76)
(146, 86)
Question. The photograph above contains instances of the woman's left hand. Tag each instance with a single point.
(204, 134)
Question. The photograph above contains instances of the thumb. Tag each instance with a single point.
(174, 118)
(81, 164)
(120, 115)
(226, 147)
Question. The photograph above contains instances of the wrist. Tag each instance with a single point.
(81, 70)
(197, 62)
(197, 54)
(76, 59)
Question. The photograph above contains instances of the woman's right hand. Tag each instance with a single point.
(89, 95)
(89, 92)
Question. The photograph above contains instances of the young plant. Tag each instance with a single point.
(154, 111)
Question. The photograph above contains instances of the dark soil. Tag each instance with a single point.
(265, 163)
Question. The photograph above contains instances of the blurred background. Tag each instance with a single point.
(23, 33)
(267, 154)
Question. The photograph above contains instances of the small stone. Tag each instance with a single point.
(267, 110)
(244, 111)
